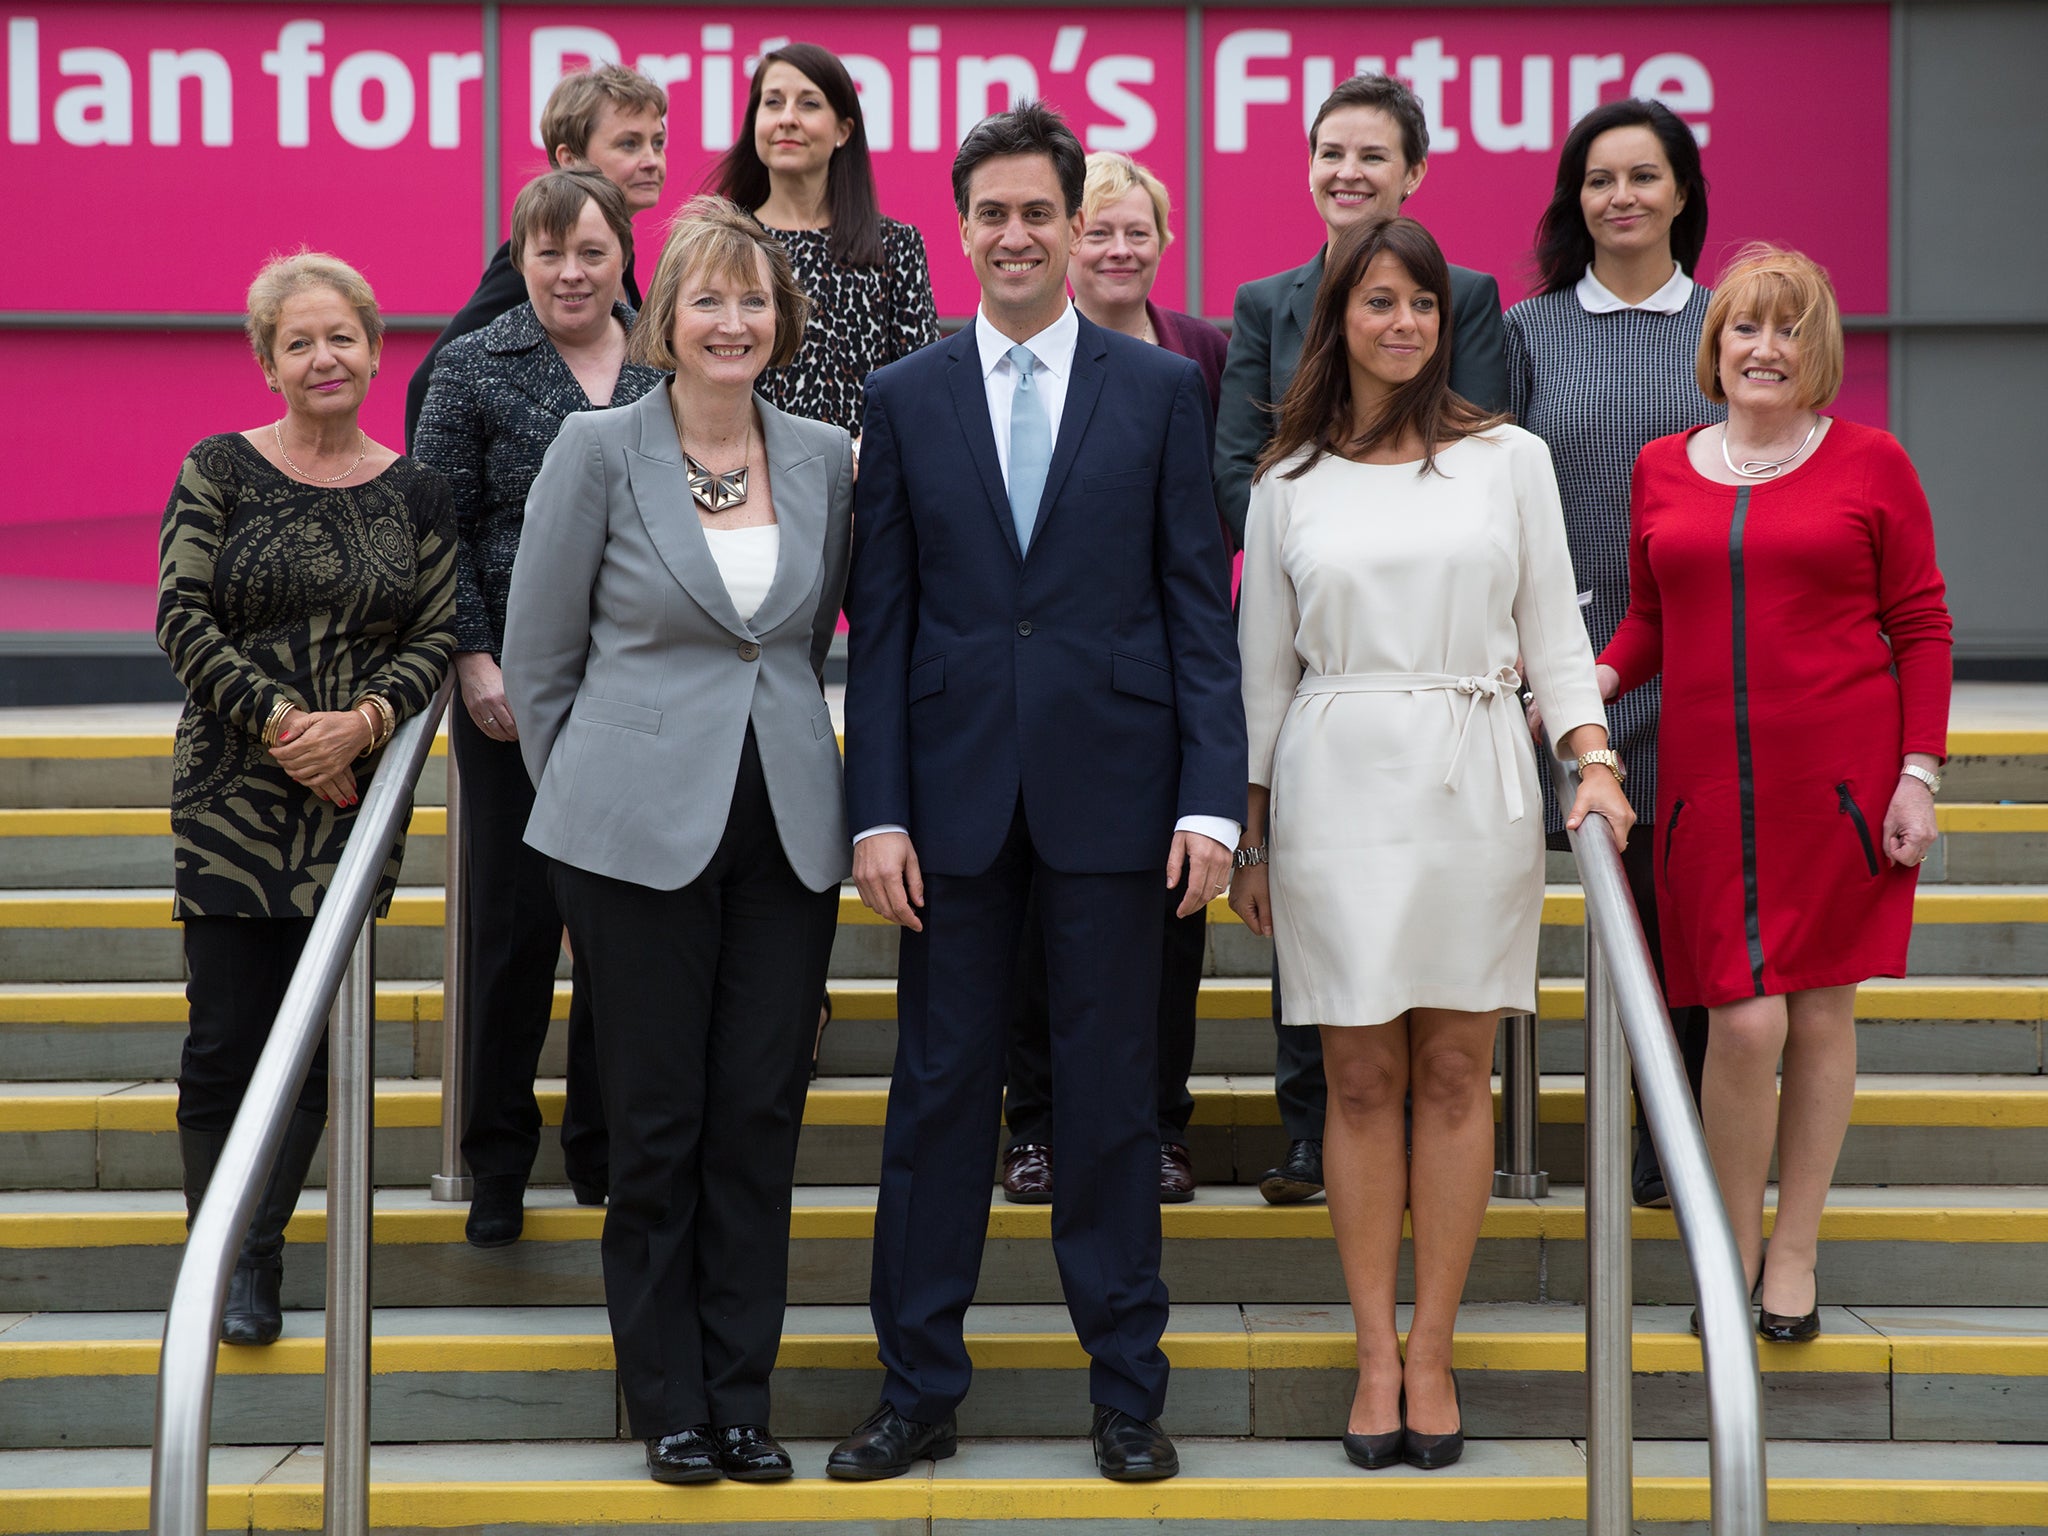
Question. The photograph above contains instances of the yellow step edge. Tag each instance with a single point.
(1991, 816)
(413, 909)
(1506, 1221)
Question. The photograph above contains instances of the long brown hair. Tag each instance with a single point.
(1316, 414)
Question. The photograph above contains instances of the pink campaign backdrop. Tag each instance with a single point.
(359, 129)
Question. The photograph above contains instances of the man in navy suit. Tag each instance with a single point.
(1042, 690)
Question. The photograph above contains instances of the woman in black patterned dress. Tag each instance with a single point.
(307, 603)
(802, 168)
(1600, 362)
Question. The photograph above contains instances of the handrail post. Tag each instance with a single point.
(1520, 1177)
(1610, 1416)
(452, 1182)
(351, 1097)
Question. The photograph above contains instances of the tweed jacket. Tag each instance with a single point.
(632, 675)
(499, 397)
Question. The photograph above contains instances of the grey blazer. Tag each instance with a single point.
(634, 678)
(1267, 328)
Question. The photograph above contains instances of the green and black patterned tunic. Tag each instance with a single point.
(273, 588)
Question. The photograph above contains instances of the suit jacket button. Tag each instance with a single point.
(749, 651)
(1023, 626)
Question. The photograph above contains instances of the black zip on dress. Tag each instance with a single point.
(1671, 831)
(1745, 765)
(1845, 802)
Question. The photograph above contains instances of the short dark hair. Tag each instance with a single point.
(580, 97)
(1383, 94)
(1029, 128)
(855, 238)
(550, 204)
(1564, 246)
(1316, 412)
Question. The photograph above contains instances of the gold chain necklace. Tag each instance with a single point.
(277, 427)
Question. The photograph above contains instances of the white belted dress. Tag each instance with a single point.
(1381, 617)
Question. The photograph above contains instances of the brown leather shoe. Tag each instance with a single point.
(1176, 1174)
(1027, 1174)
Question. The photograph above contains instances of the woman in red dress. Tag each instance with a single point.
(1782, 578)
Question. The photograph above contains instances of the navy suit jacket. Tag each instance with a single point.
(1095, 676)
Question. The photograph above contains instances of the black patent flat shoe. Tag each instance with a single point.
(1775, 1328)
(688, 1456)
(749, 1454)
(1429, 1452)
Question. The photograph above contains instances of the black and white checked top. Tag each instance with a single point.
(1596, 388)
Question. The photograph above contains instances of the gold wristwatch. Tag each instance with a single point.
(1608, 759)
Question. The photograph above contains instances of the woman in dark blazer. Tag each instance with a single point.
(1125, 212)
(671, 606)
(498, 398)
(1368, 152)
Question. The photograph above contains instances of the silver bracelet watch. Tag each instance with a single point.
(1243, 858)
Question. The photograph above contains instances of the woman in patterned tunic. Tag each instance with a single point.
(1600, 362)
(499, 397)
(307, 603)
(802, 168)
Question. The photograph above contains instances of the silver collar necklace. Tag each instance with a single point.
(1764, 469)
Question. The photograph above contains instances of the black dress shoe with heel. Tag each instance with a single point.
(1375, 1451)
(1432, 1451)
(749, 1454)
(1131, 1450)
(885, 1444)
(1299, 1176)
(688, 1456)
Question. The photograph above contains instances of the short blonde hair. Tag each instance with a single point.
(711, 234)
(1774, 283)
(579, 99)
(284, 276)
(1111, 174)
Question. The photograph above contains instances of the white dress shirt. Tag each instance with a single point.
(1596, 298)
(1054, 348)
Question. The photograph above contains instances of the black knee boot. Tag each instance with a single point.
(253, 1314)
(198, 1151)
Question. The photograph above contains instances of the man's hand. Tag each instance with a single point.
(1208, 869)
(885, 869)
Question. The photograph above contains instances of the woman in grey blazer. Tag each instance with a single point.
(676, 588)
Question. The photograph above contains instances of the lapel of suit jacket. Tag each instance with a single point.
(970, 401)
(661, 495)
(1301, 308)
(1084, 388)
(797, 478)
(535, 368)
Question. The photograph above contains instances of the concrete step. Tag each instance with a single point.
(63, 935)
(132, 1030)
(71, 848)
(1903, 1130)
(526, 1373)
(117, 1250)
(1502, 1487)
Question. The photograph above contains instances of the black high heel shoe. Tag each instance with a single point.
(1375, 1451)
(1429, 1452)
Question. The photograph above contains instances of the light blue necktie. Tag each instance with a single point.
(1030, 445)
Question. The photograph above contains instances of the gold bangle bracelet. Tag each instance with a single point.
(271, 726)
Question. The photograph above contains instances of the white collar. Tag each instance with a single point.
(1053, 347)
(1595, 298)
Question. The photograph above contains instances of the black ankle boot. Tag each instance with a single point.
(253, 1314)
(497, 1210)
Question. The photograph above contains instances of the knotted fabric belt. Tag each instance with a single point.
(1496, 691)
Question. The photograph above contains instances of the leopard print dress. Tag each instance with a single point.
(274, 588)
(861, 318)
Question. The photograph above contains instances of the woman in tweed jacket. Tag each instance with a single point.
(498, 398)
(1600, 362)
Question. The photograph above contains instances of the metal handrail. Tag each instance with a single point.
(338, 949)
(453, 1181)
(1625, 1003)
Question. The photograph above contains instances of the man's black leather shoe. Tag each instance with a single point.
(885, 1444)
(688, 1456)
(749, 1454)
(1129, 1450)
(1299, 1176)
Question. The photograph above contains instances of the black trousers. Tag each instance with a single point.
(236, 972)
(1303, 1092)
(706, 1000)
(1027, 1095)
(515, 937)
(944, 1100)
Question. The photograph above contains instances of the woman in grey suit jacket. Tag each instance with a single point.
(674, 594)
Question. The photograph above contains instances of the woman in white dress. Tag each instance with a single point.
(1405, 561)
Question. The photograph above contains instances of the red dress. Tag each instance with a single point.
(1804, 641)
